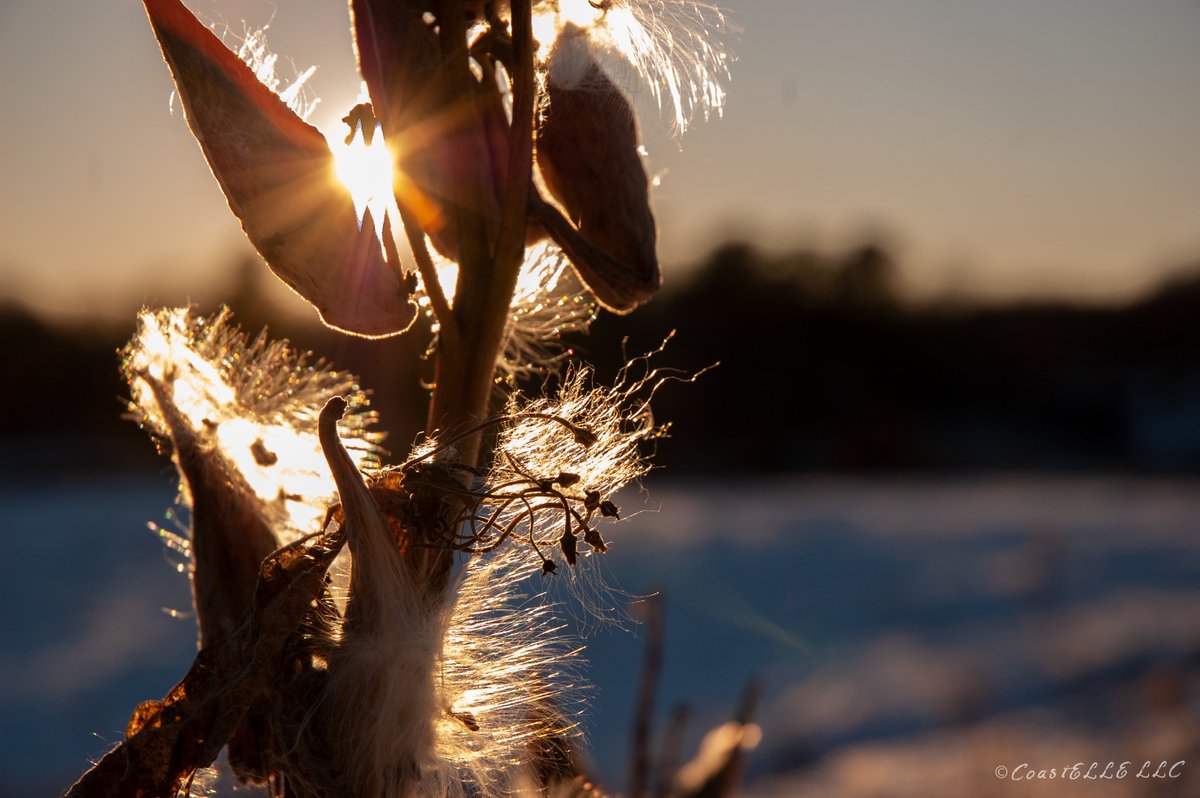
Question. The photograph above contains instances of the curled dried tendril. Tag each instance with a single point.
(558, 463)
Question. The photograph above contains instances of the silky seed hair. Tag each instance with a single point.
(253, 402)
(437, 693)
(671, 49)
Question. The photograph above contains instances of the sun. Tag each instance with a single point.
(365, 166)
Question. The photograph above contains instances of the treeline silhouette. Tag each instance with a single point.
(823, 367)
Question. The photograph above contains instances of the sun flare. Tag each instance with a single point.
(366, 169)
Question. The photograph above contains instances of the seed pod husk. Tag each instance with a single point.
(229, 541)
(588, 154)
(444, 156)
(277, 173)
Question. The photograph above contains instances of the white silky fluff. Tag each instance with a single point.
(489, 649)
(400, 693)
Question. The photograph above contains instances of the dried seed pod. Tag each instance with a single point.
(399, 59)
(380, 698)
(168, 741)
(587, 151)
(591, 500)
(277, 173)
(498, 133)
(591, 536)
(445, 152)
(569, 545)
(230, 539)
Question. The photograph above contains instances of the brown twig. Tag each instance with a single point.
(448, 326)
(639, 768)
(671, 750)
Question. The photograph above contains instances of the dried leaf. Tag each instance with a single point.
(147, 712)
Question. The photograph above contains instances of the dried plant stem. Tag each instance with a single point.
(447, 328)
(510, 240)
(670, 750)
(465, 364)
(639, 766)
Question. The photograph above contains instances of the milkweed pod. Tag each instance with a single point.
(278, 174)
(444, 158)
(587, 151)
(399, 59)
(496, 133)
(229, 540)
(380, 696)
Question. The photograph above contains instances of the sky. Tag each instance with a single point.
(1015, 148)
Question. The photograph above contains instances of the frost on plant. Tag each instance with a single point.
(373, 630)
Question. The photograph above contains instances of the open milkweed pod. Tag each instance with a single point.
(237, 416)
(587, 151)
(381, 694)
(229, 540)
(277, 172)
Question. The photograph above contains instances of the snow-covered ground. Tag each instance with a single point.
(911, 636)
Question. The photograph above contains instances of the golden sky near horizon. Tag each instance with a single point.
(1005, 148)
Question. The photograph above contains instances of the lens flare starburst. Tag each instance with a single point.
(364, 165)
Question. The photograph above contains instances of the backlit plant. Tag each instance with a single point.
(362, 628)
